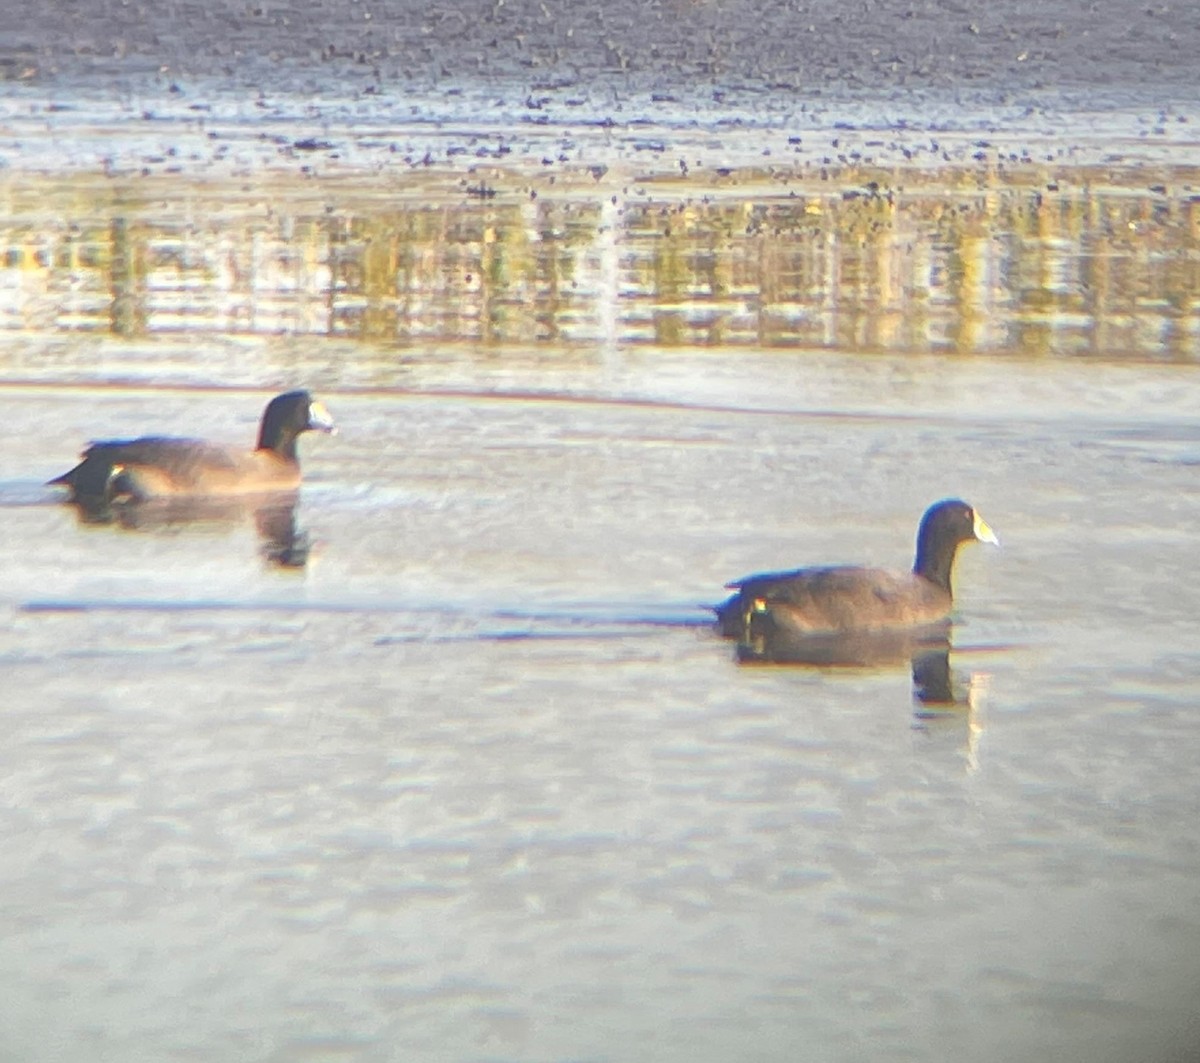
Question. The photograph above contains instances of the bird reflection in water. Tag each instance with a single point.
(945, 698)
(763, 641)
(283, 543)
(940, 695)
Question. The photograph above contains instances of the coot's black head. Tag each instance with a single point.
(946, 525)
(286, 416)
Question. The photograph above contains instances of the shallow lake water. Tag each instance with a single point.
(463, 773)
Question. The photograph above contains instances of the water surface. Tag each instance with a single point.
(469, 777)
(1009, 257)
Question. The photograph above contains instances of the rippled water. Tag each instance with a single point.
(469, 778)
(1012, 257)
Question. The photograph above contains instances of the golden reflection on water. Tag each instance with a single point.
(1093, 261)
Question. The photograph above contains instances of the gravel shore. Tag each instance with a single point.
(634, 46)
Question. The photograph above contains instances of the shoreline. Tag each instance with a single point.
(655, 46)
(157, 124)
(641, 86)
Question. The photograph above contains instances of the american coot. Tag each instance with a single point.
(165, 467)
(823, 601)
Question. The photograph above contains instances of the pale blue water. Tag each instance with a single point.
(470, 779)
(345, 812)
